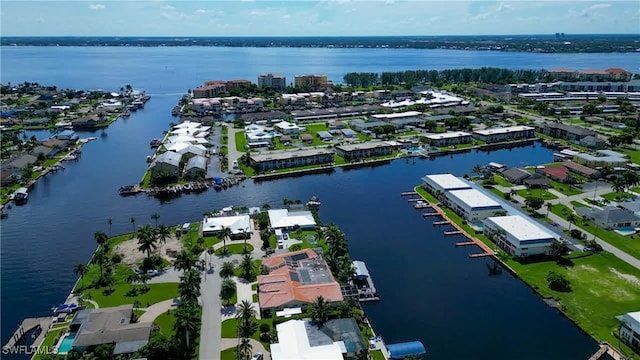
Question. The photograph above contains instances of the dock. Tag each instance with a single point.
(444, 222)
(430, 214)
(465, 243)
(408, 193)
(419, 205)
(362, 285)
(479, 255)
(414, 200)
(607, 351)
(28, 325)
(454, 232)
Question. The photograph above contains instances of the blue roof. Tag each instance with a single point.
(400, 350)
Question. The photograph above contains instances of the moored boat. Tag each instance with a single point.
(314, 201)
(128, 190)
(21, 196)
(155, 143)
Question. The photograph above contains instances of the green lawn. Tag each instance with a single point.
(145, 182)
(235, 248)
(49, 341)
(248, 170)
(376, 355)
(634, 154)
(312, 129)
(230, 329)
(614, 196)
(579, 204)
(501, 181)
(565, 189)
(635, 190)
(165, 323)
(538, 193)
(157, 292)
(241, 141)
(229, 354)
(496, 191)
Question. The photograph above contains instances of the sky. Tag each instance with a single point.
(316, 18)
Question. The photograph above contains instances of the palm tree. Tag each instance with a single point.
(266, 206)
(225, 234)
(619, 185)
(163, 232)
(133, 224)
(189, 287)
(80, 269)
(247, 267)
(186, 324)
(571, 219)
(100, 257)
(548, 205)
(143, 278)
(319, 310)
(110, 222)
(133, 278)
(146, 239)
(477, 169)
(155, 216)
(227, 270)
(211, 251)
(245, 311)
(101, 238)
(184, 261)
(227, 291)
(244, 348)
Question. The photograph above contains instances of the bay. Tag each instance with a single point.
(431, 291)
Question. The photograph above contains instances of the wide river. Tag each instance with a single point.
(431, 290)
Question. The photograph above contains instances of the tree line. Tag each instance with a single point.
(411, 77)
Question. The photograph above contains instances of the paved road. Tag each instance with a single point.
(233, 154)
(590, 191)
(255, 345)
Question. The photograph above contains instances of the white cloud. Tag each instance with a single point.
(599, 6)
(200, 11)
(97, 6)
(168, 7)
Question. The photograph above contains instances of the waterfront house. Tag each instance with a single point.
(55, 143)
(518, 235)
(196, 167)
(610, 217)
(290, 159)
(111, 325)
(168, 162)
(336, 339)
(296, 279)
(19, 161)
(438, 184)
(472, 204)
(68, 135)
(364, 150)
(36, 122)
(10, 176)
(505, 133)
(449, 138)
(239, 225)
(85, 121)
(630, 329)
(45, 150)
(285, 219)
(516, 175)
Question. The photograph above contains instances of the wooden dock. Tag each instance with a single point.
(444, 222)
(454, 232)
(465, 243)
(480, 254)
(408, 193)
(430, 214)
(606, 351)
(414, 199)
(27, 326)
(421, 206)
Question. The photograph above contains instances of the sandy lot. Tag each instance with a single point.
(131, 254)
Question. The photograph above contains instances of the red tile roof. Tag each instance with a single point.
(559, 172)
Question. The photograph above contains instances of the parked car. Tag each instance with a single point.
(257, 356)
(153, 272)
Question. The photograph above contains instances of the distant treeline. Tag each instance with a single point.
(558, 43)
(411, 77)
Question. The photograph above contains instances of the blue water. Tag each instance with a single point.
(67, 343)
(431, 291)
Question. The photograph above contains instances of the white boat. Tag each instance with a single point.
(21, 196)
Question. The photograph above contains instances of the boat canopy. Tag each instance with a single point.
(401, 350)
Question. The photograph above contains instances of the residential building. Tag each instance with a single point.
(630, 329)
(361, 125)
(68, 135)
(310, 82)
(111, 325)
(580, 169)
(472, 204)
(336, 339)
(401, 118)
(593, 142)
(566, 131)
(45, 150)
(296, 279)
(196, 167)
(558, 173)
(234, 84)
(364, 150)
(611, 74)
(287, 128)
(602, 158)
(449, 138)
(258, 136)
(306, 138)
(505, 133)
(168, 162)
(325, 135)
(348, 133)
(518, 235)
(336, 124)
(19, 162)
(275, 81)
(239, 225)
(290, 159)
(209, 91)
(610, 217)
(285, 219)
(438, 184)
(516, 175)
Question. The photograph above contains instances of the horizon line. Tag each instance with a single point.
(307, 36)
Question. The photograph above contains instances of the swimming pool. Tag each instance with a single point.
(624, 231)
(66, 343)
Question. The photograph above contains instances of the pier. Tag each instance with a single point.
(465, 243)
(607, 351)
(28, 325)
(454, 232)
(430, 214)
(408, 193)
(444, 222)
(420, 205)
(415, 200)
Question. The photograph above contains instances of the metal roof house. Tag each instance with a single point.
(402, 350)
